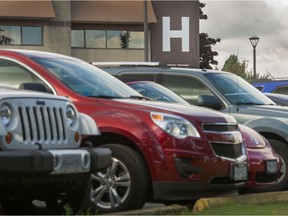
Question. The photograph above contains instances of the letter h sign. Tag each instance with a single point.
(167, 34)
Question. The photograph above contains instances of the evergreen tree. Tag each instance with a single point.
(4, 39)
(206, 53)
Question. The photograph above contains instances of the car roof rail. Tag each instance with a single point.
(119, 64)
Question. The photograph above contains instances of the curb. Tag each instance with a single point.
(165, 210)
(257, 198)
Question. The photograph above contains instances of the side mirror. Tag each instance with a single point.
(33, 86)
(209, 101)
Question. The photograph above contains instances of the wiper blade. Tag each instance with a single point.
(247, 103)
(140, 97)
(103, 96)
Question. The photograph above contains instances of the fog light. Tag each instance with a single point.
(85, 161)
(57, 162)
(271, 166)
(8, 138)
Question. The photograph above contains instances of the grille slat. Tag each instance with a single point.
(42, 124)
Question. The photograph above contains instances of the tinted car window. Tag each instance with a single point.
(281, 90)
(260, 88)
(136, 77)
(188, 87)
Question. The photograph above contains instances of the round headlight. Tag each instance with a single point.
(70, 115)
(6, 114)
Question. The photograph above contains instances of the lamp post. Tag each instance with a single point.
(254, 41)
(145, 31)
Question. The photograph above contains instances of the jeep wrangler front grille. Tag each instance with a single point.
(42, 124)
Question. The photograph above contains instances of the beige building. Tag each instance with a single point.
(105, 30)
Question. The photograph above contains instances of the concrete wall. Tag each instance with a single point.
(57, 34)
(104, 55)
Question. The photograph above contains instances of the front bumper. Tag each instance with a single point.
(43, 162)
(264, 168)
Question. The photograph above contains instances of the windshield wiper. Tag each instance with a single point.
(104, 96)
(248, 103)
(140, 97)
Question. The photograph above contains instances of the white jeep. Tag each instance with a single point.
(44, 165)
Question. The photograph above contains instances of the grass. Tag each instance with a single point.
(278, 208)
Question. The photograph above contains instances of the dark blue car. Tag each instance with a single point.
(277, 86)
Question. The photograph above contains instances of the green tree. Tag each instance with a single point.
(207, 55)
(125, 39)
(234, 65)
(239, 67)
(4, 39)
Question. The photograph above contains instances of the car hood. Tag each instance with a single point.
(187, 111)
(264, 111)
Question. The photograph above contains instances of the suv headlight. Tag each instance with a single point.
(174, 125)
(70, 115)
(6, 114)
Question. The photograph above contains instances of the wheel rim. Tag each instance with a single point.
(111, 188)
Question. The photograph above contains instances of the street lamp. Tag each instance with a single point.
(254, 41)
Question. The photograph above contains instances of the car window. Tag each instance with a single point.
(13, 74)
(136, 77)
(188, 87)
(85, 79)
(260, 88)
(157, 92)
(236, 90)
(281, 90)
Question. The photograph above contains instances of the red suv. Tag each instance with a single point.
(161, 152)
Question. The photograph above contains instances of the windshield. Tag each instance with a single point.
(236, 90)
(157, 92)
(86, 79)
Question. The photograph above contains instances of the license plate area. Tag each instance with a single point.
(239, 171)
(69, 161)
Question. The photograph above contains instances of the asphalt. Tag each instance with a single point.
(204, 203)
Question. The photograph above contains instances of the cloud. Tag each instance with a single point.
(235, 21)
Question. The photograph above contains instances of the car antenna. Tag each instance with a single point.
(237, 95)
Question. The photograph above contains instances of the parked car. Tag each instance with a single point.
(275, 86)
(41, 160)
(221, 91)
(161, 152)
(261, 156)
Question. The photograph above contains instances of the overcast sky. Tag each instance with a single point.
(235, 21)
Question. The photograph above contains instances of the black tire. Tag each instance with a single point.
(282, 150)
(77, 201)
(123, 186)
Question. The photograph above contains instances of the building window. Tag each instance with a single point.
(77, 38)
(95, 39)
(136, 40)
(23, 35)
(31, 35)
(107, 39)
